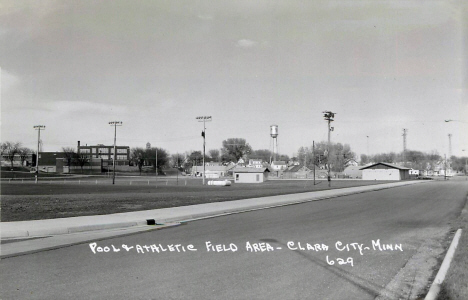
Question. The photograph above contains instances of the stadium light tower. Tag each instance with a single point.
(204, 119)
(329, 117)
(115, 124)
(38, 128)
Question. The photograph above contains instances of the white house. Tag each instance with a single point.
(279, 165)
(211, 171)
(250, 175)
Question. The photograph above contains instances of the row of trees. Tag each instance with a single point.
(417, 160)
(340, 156)
(12, 150)
(152, 157)
(232, 150)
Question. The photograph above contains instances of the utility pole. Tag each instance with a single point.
(204, 119)
(329, 116)
(38, 128)
(115, 124)
(450, 150)
(405, 132)
(445, 165)
(313, 155)
(368, 146)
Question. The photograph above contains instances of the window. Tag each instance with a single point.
(121, 157)
(237, 177)
(85, 150)
(122, 151)
(258, 177)
(93, 150)
(104, 150)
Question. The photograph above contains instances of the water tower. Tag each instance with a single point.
(274, 136)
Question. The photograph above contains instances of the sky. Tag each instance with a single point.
(381, 66)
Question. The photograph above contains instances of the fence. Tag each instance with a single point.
(107, 181)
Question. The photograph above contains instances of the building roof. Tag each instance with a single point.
(391, 166)
(251, 170)
(210, 168)
(278, 162)
(297, 168)
(102, 146)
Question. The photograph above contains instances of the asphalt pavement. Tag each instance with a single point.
(36, 228)
(414, 220)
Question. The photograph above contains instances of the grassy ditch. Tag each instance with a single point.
(455, 285)
(29, 201)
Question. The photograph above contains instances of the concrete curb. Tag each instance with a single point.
(46, 244)
(435, 287)
(190, 216)
(67, 230)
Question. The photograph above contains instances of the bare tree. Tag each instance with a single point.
(82, 160)
(70, 155)
(177, 160)
(138, 156)
(10, 150)
(3, 147)
(24, 153)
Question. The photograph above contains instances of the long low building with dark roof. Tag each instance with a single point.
(384, 171)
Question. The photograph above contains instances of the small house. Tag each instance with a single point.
(250, 175)
(296, 171)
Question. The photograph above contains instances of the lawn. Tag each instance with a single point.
(455, 285)
(49, 200)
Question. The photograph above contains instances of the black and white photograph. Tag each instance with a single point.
(217, 149)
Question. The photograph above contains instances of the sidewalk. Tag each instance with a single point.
(38, 228)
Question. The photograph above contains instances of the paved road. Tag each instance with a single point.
(408, 218)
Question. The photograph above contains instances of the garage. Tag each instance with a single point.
(384, 171)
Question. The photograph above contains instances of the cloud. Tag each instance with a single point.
(246, 43)
(7, 80)
(84, 107)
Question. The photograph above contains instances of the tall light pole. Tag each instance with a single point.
(204, 119)
(367, 146)
(38, 128)
(115, 124)
(450, 143)
(329, 117)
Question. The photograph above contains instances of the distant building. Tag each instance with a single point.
(250, 175)
(106, 153)
(297, 171)
(28, 160)
(48, 161)
(212, 171)
(255, 163)
(57, 162)
(384, 171)
(279, 165)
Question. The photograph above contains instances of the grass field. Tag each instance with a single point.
(455, 285)
(90, 196)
